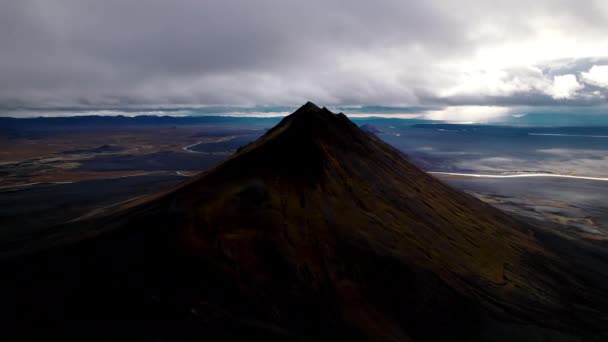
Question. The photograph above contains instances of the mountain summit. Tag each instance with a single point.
(317, 230)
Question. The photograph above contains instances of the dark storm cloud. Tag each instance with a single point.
(114, 52)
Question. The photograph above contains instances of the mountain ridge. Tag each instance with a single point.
(317, 230)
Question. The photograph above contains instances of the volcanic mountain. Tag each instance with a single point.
(316, 231)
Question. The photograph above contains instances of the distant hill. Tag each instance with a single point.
(316, 231)
(369, 128)
(99, 149)
(19, 127)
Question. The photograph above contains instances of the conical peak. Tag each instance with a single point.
(308, 111)
(303, 142)
(309, 106)
(312, 114)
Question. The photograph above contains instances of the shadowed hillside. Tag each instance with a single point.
(315, 231)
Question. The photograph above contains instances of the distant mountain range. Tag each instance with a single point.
(530, 116)
(119, 120)
(316, 231)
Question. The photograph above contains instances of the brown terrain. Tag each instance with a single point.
(58, 156)
(316, 231)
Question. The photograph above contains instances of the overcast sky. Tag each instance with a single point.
(269, 52)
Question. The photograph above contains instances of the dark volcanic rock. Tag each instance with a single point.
(316, 231)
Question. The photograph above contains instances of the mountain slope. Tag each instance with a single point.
(316, 231)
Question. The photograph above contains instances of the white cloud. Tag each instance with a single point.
(433, 52)
(565, 86)
(597, 76)
(496, 82)
(467, 113)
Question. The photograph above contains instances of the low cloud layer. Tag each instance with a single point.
(263, 52)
